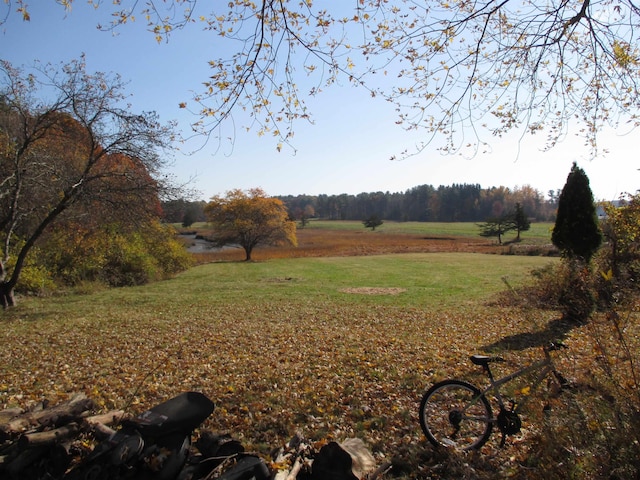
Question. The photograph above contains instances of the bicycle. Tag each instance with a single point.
(455, 413)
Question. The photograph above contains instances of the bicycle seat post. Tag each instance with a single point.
(483, 361)
(489, 373)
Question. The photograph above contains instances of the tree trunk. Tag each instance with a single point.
(247, 251)
(7, 298)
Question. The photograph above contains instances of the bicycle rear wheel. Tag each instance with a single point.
(456, 414)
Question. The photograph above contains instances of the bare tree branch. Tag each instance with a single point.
(459, 67)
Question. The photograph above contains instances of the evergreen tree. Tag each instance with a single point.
(372, 222)
(577, 232)
(497, 226)
(521, 222)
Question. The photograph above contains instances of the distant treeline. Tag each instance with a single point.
(424, 203)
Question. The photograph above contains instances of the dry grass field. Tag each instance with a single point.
(323, 242)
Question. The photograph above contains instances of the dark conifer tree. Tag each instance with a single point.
(521, 222)
(577, 232)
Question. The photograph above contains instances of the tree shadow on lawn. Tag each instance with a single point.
(555, 331)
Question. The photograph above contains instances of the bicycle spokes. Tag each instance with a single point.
(455, 414)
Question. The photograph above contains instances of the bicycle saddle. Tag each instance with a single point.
(484, 360)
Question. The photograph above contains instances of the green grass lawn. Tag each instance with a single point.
(427, 280)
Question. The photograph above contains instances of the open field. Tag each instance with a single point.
(539, 232)
(333, 347)
(336, 238)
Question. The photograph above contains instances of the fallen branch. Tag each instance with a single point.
(297, 466)
(48, 437)
(56, 416)
(110, 418)
(99, 424)
(9, 414)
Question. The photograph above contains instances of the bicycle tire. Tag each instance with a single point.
(454, 413)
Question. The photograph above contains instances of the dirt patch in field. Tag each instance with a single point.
(374, 290)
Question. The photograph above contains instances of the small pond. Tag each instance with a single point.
(199, 245)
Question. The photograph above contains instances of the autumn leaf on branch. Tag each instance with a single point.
(458, 70)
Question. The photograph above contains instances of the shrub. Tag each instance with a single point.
(168, 252)
(594, 433)
(35, 280)
(127, 262)
(147, 254)
(577, 296)
(531, 250)
(114, 255)
(618, 261)
(563, 286)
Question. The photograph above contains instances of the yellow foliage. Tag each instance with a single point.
(623, 54)
(249, 219)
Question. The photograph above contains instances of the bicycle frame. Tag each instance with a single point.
(545, 367)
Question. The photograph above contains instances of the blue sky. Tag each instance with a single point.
(346, 150)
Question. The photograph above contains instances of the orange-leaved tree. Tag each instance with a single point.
(248, 219)
(75, 152)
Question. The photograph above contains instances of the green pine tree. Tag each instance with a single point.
(577, 232)
(521, 222)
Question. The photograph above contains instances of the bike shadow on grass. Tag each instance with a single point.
(555, 331)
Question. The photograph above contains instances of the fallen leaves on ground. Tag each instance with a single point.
(329, 371)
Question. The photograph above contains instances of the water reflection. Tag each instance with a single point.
(199, 245)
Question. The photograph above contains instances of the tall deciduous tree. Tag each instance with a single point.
(577, 231)
(249, 219)
(72, 152)
(455, 64)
